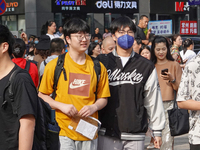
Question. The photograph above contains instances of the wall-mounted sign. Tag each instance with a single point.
(15, 7)
(95, 6)
(182, 6)
(169, 7)
(161, 27)
(188, 27)
(2, 7)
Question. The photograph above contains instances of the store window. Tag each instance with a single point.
(10, 21)
(21, 23)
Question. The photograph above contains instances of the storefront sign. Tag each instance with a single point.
(2, 7)
(169, 7)
(194, 2)
(188, 27)
(15, 7)
(181, 6)
(161, 27)
(95, 6)
(116, 4)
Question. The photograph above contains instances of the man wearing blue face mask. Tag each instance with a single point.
(135, 94)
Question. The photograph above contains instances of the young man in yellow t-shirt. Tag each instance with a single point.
(76, 95)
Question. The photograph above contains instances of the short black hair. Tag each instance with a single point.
(6, 36)
(138, 40)
(160, 39)
(57, 45)
(31, 44)
(143, 16)
(144, 47)
(19, 48)
(122, 22)
(75, 25)
(92, 47)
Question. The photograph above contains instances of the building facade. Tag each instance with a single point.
(97, 13)
(30, 15)
(175, 10)
(14, 16)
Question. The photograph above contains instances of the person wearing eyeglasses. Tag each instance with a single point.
(76, 96)
(135, 94)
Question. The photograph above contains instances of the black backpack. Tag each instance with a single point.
(46, 135)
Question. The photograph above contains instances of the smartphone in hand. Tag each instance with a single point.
(163, 71)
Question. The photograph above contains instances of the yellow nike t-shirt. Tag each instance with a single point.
(79, 89)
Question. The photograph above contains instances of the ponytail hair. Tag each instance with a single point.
(186, 44)
(44, 29)
(19, 48)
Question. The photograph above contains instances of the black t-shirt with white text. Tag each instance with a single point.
(25, 101)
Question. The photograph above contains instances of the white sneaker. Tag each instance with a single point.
(150, 146)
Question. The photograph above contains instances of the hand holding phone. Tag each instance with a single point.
(163, 71)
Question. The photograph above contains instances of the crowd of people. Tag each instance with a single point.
(140, 76)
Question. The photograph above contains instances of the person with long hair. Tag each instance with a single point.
(168, 80)
(188, 50)
(49, 28)
(94, 49)
(145, 51)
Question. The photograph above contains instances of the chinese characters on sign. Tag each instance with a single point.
(10, 7)
(161, 27)
(188, 27)
(95, 6)
(71, 5)
(116, 4)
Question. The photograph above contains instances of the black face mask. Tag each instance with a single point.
(31, 53)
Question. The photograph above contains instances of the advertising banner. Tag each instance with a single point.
(161, 27)
(188, 27)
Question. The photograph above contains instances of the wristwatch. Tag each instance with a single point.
(173, 81)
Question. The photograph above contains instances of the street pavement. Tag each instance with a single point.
(180, 142)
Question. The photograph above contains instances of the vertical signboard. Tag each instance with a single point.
(161, 27)
(188, 27)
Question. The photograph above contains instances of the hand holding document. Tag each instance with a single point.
(87, 127)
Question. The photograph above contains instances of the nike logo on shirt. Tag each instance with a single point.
(77, 83)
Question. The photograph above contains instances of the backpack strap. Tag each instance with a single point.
(97, 68)
(27, 67)
(59, 68)
(104, 59)
(45, 63)
(9, 86)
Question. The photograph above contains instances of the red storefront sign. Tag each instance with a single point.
(188, 27)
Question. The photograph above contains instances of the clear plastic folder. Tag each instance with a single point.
(87, 127)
